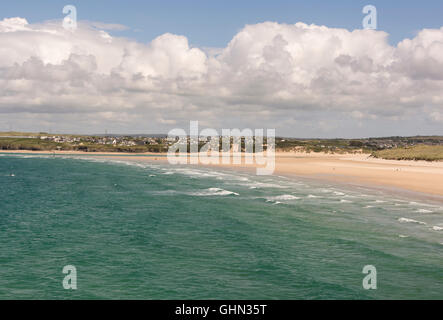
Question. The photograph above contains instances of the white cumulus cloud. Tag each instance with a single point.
(289, 77)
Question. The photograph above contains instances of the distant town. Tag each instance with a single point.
(108, 140)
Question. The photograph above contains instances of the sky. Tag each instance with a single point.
(305, 68)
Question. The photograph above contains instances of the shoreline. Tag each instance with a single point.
(422, 178)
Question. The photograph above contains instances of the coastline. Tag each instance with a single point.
(421, 177)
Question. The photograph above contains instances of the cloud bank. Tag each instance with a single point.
(300, 79)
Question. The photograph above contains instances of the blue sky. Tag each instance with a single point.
(214, 23)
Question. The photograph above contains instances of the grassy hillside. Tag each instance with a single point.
(419, 152)
(29, 144)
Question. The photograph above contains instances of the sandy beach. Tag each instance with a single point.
(417, 176)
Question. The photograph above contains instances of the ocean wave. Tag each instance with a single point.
(423, 211)
(213, 192)
(260, 185)
(407, 220)
(284, 197)
(413, 203)
(437, 228)
(164, 192)
(197, 173)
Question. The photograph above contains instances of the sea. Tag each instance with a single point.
(150, 230)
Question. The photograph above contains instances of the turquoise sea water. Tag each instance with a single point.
(157, 231)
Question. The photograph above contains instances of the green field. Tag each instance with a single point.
(419, 152)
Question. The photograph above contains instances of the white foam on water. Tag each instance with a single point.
(258, 185)
(345, 201)
(437, 228)
(210, 174)
(284, 197)
(107, 161)
(337, 193)
(164, 192)
(312, 196)
(423, 211)
(413, 203)
(403, 236)
(407, 220)
(190, 172)
(213, 192)
(369, 206)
